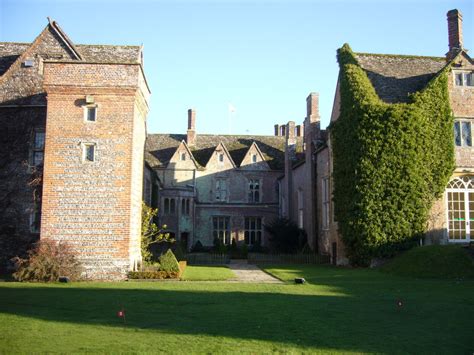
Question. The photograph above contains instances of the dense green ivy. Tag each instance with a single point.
(391, 161)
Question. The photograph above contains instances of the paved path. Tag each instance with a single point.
(245, 272)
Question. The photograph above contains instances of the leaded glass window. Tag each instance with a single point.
(221, 229)
(253, 230)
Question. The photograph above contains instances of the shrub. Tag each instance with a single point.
(285, 236)
(151, 234)
(391, 161)
(198, 247)
(219, 246)
(160, 274)
(179, 252)
(46, 262)
(168, 262)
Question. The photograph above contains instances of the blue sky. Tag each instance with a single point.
(264, 57)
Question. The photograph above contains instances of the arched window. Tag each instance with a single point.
(460, 208)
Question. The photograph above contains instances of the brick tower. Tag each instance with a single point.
(93, 165)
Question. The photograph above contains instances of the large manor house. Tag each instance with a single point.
(77, 161)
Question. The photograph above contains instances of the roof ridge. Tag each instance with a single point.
(25, 43)
(108, 45)
(406, 56)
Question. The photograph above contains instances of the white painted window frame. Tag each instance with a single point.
(467, 183)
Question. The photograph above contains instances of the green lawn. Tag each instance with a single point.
(207, 273)
(337, 311)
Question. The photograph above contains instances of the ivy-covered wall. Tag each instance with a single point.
(390, 161)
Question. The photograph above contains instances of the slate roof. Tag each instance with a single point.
(394, 77)
(9, 52)
(159, 148)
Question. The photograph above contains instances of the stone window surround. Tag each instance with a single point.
(221, 193)
(460, 120)
(221, 228)
(248, 230)
(325, 200)
(252, 192)
(464, 73)
(169, 206)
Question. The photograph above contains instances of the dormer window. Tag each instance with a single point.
(254, 158)
(183, 156)
(464, 78)
(90, 113)
(221, 157)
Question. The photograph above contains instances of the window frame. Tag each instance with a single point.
(325, 201)
(169, 206)
(87, 108)
(252, 192)
(256, 231)
(85, 146)
(35, 218)
(460, 122)
(225, 231)
(37, 149)
(466, 76)
(221, 194)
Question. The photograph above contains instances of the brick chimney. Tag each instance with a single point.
(312, 107)
(454, 33)
(191, 134)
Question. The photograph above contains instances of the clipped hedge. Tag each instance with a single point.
(391, 161)
(159, 275)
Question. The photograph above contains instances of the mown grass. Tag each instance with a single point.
(434, 261)
(337, 311)
(207, 273)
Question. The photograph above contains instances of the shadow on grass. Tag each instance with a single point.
(359, 317)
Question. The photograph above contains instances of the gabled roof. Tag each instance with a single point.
(394, 77)
(10, 51)
(183, 144)
(223, 147)
(159, 148)
(254, 146)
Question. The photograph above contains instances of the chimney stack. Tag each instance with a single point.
(312, 107)
(290, 133)
(191, 134)
(277, 130)
(454, 33)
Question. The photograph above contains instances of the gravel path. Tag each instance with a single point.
(246, 272)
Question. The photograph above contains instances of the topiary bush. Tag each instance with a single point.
(46, 262)
(168, 262)
(391, 162)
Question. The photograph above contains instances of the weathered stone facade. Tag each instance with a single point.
(89, 104)
(394, 77)
(225, 186)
